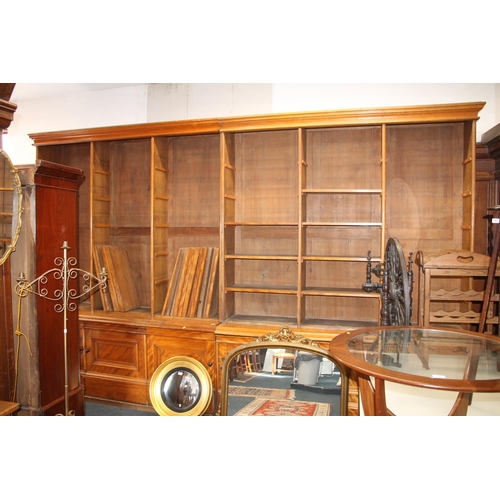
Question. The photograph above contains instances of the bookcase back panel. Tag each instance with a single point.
(334, 274)
(343, 207)
(130, 184)
(255, 305)
(266, 177)
(343, 241)
(121, 209)
(341, 310)
(261, 240)
(194, 181)
(424, 186)
(344, 158)
(265, 273)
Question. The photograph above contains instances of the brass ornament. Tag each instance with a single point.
(286, 335)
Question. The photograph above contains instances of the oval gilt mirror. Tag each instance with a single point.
(10, 206)
(282, 374)
(180, 386)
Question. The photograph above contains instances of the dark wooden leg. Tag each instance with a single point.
(461, 405)
(380, 402)
(491, 277)
(465, 399)
(366, 394)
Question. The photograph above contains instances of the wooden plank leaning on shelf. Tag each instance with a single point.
(192, 291)
(103, 292)
(211, 302)
(123, 294)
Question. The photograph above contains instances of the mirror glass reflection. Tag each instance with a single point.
(272, 381)
(180, 390)
(10, 206)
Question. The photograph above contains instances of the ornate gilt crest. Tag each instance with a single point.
(286, 335)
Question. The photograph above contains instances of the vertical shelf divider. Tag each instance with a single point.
(100, 202)
(159, 223)
(302, 171)
(301, 242)
(383, 165)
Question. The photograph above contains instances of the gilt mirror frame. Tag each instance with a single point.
(158, 387)
(284, 339)
(10, 181)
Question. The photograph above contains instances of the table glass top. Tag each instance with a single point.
(429, 353)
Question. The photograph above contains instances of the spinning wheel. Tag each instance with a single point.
(399, 284)
(395, 286)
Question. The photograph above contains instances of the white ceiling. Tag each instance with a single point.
(24, 91)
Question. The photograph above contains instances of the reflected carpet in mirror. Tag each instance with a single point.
(255, 392)
(289, 408)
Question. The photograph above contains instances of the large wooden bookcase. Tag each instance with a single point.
(293, 201)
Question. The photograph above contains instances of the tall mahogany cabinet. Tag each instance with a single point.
(50, 218)
(293, 201)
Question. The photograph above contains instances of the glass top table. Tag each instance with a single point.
(433, 358)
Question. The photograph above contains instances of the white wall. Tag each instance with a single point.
(82, 109)
(180, 101)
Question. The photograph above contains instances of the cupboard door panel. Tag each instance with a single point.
(162, 348)
(116, 352)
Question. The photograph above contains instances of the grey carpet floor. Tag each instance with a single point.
(99, 410)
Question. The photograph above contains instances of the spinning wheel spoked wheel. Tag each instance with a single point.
(398, 284)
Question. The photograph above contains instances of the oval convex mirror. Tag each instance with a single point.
(10, 206)
(180, 386)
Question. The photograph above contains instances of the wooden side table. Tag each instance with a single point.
(281, 355)
(8, 408)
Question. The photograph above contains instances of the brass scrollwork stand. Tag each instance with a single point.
(63, 296)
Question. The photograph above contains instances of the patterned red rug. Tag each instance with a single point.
(277, 407)
(255, 392)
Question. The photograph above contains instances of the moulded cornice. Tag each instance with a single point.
(353, 117)
(121, 132)
(7, 110)
(348, 117)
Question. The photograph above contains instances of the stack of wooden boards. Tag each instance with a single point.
(120, 293)
(193, 289)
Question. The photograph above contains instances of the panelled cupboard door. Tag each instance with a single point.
(164, 345)
(225, 344)
(115, 363)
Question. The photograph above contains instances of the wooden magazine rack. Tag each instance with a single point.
(451, 289)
